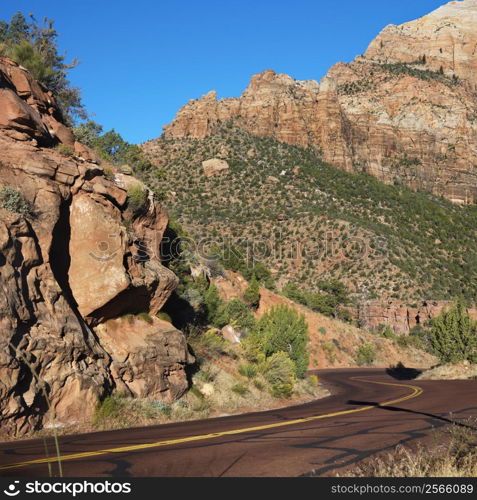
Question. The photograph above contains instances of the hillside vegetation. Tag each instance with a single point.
(307, 221)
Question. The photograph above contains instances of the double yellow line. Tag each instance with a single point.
(415, 392)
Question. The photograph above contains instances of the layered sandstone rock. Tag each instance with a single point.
(401, 122)
(77, 258)
(446, 38)
(399, 316)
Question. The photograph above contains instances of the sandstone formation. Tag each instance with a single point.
(393, 113)
(214, 167)
(446, 37)
(399, 316)
(74, 262)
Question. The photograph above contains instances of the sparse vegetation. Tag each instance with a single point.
(65, 150)
(137, 197)
(416, 70)
(378, 240)
(453, 454)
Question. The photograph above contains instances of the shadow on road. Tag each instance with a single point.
(406, 410)
(400, 372)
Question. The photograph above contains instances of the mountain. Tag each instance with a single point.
(404, 112)
(79, 284)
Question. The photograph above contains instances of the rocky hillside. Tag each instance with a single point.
(307, 220)
(81, 277)
(405, 112)
(332, 343)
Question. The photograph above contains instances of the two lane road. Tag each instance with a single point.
(368, 412)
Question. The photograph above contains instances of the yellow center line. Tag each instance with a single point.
(416, 391)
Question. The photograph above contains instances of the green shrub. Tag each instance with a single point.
(161, 408)
(137, 197)
(207, 373)
(111, 408)
(388, 333)
(65, 150)
(12, 200)
(164, 316)
(329, 348)
(144, 316)
(279, 371)
(366, 354)
(201, 406)
(313, 380)
(281, 390)
(453, 335)
(208, 344)
(108, 173)
(214, 307)
(240, 389)
(282, 329)
(248, 370)
(334, 295)
(258, 384)
(235, 313)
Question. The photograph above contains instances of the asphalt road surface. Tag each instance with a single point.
(368, 412)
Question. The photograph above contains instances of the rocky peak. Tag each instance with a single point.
(395, 113)
(446, 38)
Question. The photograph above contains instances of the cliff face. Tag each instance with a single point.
(399, 316)
(393, 113)
(75, 267)
(447, 37)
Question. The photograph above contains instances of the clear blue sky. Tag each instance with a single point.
(142, 60)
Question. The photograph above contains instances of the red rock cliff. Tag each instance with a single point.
(394, 113)
(71, 267)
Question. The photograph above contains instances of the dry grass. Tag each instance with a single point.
(217, 389)
(452, 454)
(459, 371)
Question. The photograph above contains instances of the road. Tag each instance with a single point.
(368, 412)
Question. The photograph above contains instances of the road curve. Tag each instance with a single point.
(369, 411)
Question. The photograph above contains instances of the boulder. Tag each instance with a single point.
(215, 167)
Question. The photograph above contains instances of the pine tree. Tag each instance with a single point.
(453, 335)
(283, 329)
(214, 307)
(34, 46)
(252, 293)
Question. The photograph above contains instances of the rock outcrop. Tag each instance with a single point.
(74, 262)
(399, 316)
(405, 113)
(446, 38)
(214, 167)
